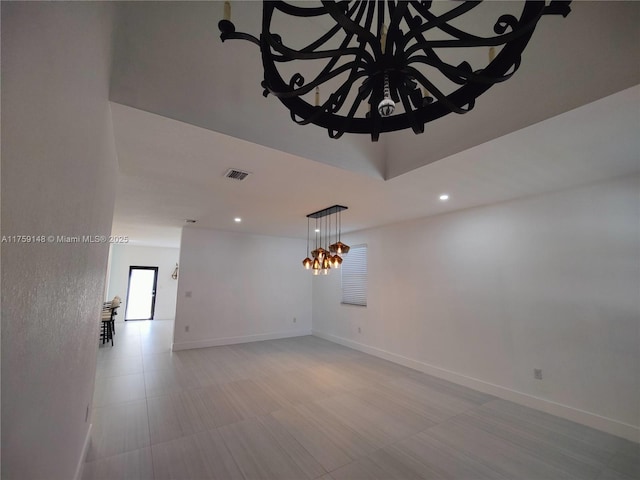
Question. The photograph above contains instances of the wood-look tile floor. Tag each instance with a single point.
(305, 408)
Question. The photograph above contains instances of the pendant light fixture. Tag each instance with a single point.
(325, 256)
(326, 261)
(339, 248)
(307, 263)
(334, 259)
(316, 254)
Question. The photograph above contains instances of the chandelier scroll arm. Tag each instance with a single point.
(331, 101)
(296, 11)
(373, 117)
(303, 55)
(346, 120)
(455, 73)
(349, 26)
(315, 82)
(228, 32)
(465, 40)
(368, 23)
(360, 98)
(435, 21)
(344, 43)
(340, 94)
(416, 125)
(325, 74)
(470, 41)
(380, 22)
(558, 7)
(272, 77)
(461, 9)
(441, 22)
(397, 14)
(324, 38)
(435, 91)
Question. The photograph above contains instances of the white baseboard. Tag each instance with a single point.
(83, 454)
(605, 424)
(216, 342)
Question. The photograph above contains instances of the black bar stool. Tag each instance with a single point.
(106, 333)
(107, 317)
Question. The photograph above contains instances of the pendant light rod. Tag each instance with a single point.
(336, 228)
(328, 228)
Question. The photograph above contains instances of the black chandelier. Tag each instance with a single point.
(389, 65)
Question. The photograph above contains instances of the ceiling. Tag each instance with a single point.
(186, 108)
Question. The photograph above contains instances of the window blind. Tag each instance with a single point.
(354, 276)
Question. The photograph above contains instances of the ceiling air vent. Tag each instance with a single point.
(236, 174)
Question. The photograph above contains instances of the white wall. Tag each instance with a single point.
(58, 178)
(124, 256)
(243, 288)
(483, 296)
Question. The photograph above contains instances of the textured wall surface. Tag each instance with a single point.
(58, 178)
(125, 256)
(488, 294)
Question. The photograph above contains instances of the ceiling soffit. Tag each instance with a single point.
(169, 60)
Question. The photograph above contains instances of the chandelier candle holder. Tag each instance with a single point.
(389, 65)
(325, 258)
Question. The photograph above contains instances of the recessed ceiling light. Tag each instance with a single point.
(444, 197)
(237, 219)
(317, 230)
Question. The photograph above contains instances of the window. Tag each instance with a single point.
(354, 276)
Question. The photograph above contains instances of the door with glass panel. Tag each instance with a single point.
(141, 293)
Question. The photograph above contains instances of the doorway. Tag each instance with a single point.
(141, 293)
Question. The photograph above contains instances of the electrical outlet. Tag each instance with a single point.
(186, 328)
(294, 320)
(537, 373)
(359, 330)
(187, 294)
